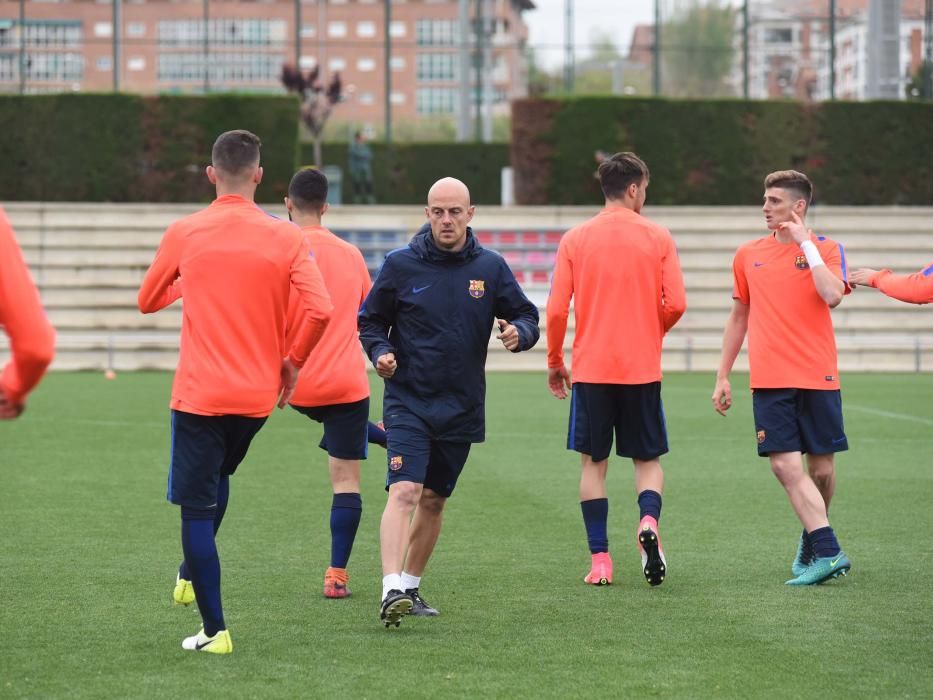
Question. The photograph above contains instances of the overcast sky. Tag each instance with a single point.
(618, 17)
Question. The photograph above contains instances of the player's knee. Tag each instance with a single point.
(786, 468)
(432, 502)
(405, 494)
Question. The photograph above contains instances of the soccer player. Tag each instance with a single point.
(623, 274)
(332, 386)
(914, 289)
(237, 265)
(425, 325)
(784, 286)
(32, 338)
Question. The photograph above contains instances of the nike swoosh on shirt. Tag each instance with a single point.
(418, 290)
(758, 264)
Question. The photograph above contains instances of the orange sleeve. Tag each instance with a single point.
(32, 338)
(915, 289)
(739, 281)
(313, 302)
(159, 289)
(673, 293)
(558, 305)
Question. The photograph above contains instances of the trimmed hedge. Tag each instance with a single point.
(120, 148)
(405, 176)
(718, 151)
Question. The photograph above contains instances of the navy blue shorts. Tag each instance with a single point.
(204, 448)
(799, 420)
(414, 455)
(346, 427)
(633, 411)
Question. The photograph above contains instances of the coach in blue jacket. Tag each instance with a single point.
(426, 326)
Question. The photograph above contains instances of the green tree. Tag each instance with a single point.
(697, 48)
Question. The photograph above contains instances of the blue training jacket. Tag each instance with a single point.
(435, 311)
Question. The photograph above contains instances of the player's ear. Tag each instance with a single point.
(324, 207)
(257, 176)
(211, 174)
(470, 212)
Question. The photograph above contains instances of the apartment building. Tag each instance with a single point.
(195, 46)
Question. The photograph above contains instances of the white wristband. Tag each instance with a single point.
(813, 255)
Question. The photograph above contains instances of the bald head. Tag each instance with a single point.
(449, 213)
(449, 188)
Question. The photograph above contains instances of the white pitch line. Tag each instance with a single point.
(889, 414)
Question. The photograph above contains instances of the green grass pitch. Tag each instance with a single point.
(89, 550)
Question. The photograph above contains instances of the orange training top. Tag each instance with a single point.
(336, 371)
(32, 338)
(236, 263)
(791, 344)
(623, 273)
(916, 288)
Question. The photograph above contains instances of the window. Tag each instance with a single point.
(366, 98)
(222, 32)
(365, 65)
(307, 31)
(397, 30)
(779, 35)
(337, 63)
(437, 66)
(234, 68)
(53, 67)
(435, 32)
(136, 29)
(103, 29)
(366, 30)
(337, 29)
(397, 63)
(104, 63)
(397, 98)
(436, 100)
(307, 62)
(136, 63)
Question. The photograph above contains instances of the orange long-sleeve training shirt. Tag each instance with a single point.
(916, 288)
(624, 276)
(32, 338)
(336, 371)
(237, 264)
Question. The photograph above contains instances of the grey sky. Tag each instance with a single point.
(618, 17)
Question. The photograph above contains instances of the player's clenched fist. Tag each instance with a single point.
(386, 365)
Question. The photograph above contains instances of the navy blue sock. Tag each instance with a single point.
(376, 435)
(650, 504)
(223, 496)
(197, 543)
(807, 546)
(595, 515)
(345, 512)
(823, 541)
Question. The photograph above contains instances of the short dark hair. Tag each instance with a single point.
(308, 190)
(792, 180)
(236, 151)
(619, 171)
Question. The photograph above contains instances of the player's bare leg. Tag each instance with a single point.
(804, 496)
(593, 488)
(423, 534)
(650, 477)
(393, 537)
(345, 518)
(822, 469)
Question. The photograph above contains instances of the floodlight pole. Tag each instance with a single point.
(22, 47)
(745, 28)
(117, 23)
(388, 73)
(832, 49)
(656, 73)
(298, 35)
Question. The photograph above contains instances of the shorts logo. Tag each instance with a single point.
(477, 288)
(801, 262)
(395, 463)
(761, 436)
